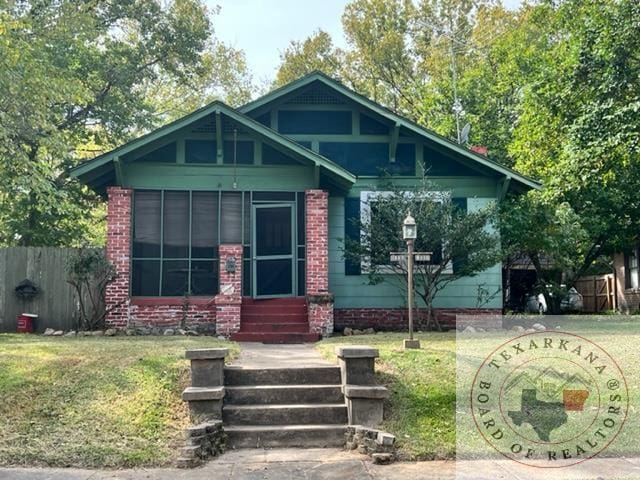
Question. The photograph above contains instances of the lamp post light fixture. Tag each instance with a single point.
(409, 234)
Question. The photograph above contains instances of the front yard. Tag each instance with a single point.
(94, 402)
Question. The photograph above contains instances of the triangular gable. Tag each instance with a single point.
(309, 86)
(101, 170)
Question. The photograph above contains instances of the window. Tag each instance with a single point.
(200, 151)
(371, 158)
(316, 122)
(386, 225)
(631, 269)
(175, 239)
(164, 154)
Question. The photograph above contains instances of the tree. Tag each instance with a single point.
(461, 242)
(78, 78)
(89, 273)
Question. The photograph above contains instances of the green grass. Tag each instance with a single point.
(93, 402)
(421, 410)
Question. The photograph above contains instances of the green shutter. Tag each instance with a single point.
(351, 231)
(461, 204)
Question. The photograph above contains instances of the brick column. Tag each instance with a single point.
(319, 300)
(119, 254)
(228, 301)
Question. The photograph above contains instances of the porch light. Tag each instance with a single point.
(409, 230)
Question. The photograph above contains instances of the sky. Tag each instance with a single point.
(264, 28)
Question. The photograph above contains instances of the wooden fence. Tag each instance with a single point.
(598, 292)
(55, 304)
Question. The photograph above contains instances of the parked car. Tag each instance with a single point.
(571, 302)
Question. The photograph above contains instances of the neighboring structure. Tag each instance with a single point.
(244, 210)
(625, 267)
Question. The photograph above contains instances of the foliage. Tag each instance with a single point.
(78, 78)
(461, 242)
(89, 273)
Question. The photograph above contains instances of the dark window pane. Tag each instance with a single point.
(271, 156)
(264, 119)
(314, 121)
(369, 126)
(200, 151)
(176, 225)
(274, 277)
(165, 154)
(244, 152)
(301, 278)
(204, 277)
(273, 231)
(303, 143)
(146, 225)
(439, 164)
(204, 225)
(145, 278)
(359, 158)
(231, 217)
(175, 278)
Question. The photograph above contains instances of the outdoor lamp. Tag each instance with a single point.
(409, 230)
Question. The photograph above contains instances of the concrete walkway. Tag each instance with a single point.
(329, 464)
(260, 355)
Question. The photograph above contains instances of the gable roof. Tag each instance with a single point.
(516, 180)
(105, 164)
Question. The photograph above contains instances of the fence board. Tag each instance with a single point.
(598, 293)
(55, 305)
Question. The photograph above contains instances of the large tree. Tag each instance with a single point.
(77, 78)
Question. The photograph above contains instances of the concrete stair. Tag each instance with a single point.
(284, 407)
(277, 320)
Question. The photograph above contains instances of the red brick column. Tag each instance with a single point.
(228, 301)
(319, 300)
(119, 254)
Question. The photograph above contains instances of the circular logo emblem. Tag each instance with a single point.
(549, 399)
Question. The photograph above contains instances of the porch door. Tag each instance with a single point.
(273, 250)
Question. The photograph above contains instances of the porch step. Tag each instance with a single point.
(271, 327)
(261, 316)
(302, 436)
(238, 376)
(275, 337)
(298, 414)
(283, 394)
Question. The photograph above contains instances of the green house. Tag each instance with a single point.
(233, 218)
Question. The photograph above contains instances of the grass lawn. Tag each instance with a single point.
(421, 410)
(94, 402)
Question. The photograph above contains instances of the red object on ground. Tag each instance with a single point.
(479, 149)
(26, 322)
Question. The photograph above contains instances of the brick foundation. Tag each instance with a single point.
(172, 312)
(119, 254)
(391, 319)
(319, 301)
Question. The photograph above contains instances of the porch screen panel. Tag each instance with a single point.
(176, 225)
(204, 225)
(231, 217)
(146, 224)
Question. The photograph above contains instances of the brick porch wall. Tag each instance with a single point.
(319, 300)
(228, 301)
(628, 300)
(119, 254)
(392, 319)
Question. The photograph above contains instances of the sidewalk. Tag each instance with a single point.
(330, 464)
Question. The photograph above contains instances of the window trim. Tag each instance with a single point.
(365, 216)
(628, 272)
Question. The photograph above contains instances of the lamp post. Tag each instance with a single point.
(409, 234)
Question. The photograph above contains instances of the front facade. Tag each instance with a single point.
(627, 277)
(234, 218)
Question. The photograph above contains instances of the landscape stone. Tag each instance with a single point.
(110, 332)
(357, 332)
(348, 332)
(169, 332)
(538, 327)
(469, 329)
(57, 333)
(181, 331)
(71, 333)
(382, 458)
(370, 331)
(130, 332)
(97, 333)
(385, 438)
(517, 328)
(48, 332)
(530, 330)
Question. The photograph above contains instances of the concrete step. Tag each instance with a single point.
(283, 394)
(299, 414)
(275, 337)
(274, 327)
(273, 436)
(239, 376)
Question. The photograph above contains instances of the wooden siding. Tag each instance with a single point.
(45, 266)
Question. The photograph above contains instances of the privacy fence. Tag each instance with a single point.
(55, 302)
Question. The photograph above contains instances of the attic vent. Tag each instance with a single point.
(229, 126)
(208, 125)
(315, 96)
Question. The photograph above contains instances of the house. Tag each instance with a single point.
(235, 217)
(627, 280)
